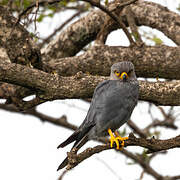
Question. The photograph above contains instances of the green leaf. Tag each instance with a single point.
(135, 35)
(63, 3)
(26, 3)
(40, 18)
(50, 15)
(4, 2)
(106, 2)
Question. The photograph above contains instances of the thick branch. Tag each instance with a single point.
(165, 92)
(80, 33)
(47, 39)
(159, 17)
(74, 37)
(149, 61)
(117, 19)
(52, 87)
(17, 41)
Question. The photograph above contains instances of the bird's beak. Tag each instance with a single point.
(124, 76)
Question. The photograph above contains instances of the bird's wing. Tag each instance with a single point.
(99, 94)
(88, 122)
(109, 101)
(112, 100)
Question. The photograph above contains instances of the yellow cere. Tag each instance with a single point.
(122, 74)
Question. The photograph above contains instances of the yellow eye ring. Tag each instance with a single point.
(117, 73)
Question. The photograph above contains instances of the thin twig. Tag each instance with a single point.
(37, 9)
(142, 175)
(93, 3)
(132, 25)
(146, 167)
(61, 121)
(114, 16)
(109, 168)
(62, 175)
(40, 3)
(59, 29)
(136, 129)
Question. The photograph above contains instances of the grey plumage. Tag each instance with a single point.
(112, 104)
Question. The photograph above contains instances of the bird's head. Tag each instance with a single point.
(123, 71)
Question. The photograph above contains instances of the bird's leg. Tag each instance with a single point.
(113, 139)
(122, 139)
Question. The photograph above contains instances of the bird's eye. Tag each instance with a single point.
(117, 73)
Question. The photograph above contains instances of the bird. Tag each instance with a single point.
(112, 104)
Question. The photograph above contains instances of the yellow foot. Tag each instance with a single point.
(122, 139)
(116, 139)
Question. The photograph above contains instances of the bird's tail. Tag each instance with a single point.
(63, 164)
(69, 140)
(78, 144)
(80, 137)
(76, 136)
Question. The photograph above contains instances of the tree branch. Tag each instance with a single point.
(136, 129)
(61, 121)
(149, 61)
(50, 87)
(34, 4)
(132, 24)
(153, 145)
(76, 36)
(117, 19)
(61, 27)
(145, 166)
(17, 41)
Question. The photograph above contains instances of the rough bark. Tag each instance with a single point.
(149, 61)
(82, 32)
(16, 41)
(52, 87)
(159, 61)
(153, 145)
(75, 37)
(156, 61)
